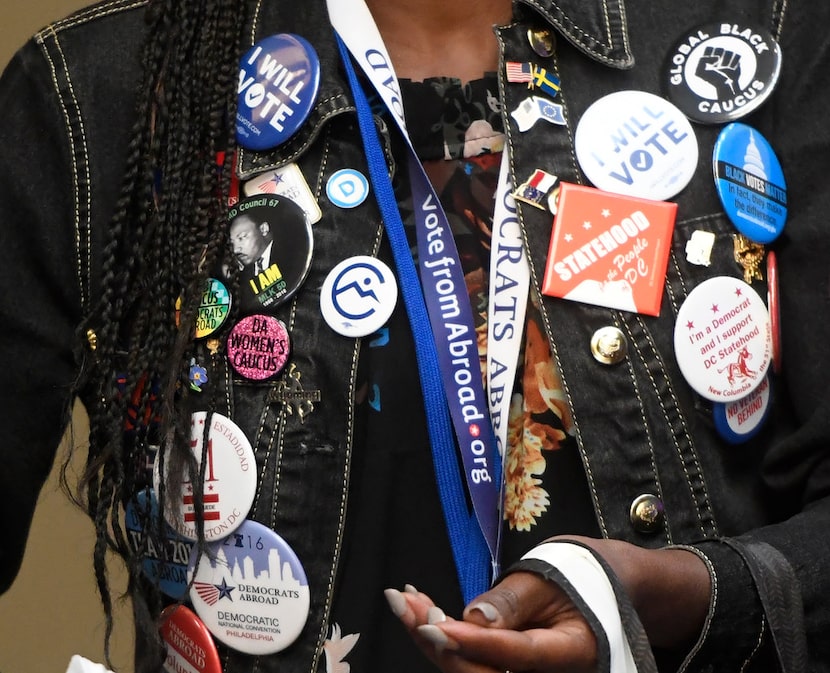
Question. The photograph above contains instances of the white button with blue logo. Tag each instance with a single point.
(347, 188)
(358, 296)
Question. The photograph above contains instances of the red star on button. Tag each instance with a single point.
(690, 325)
(714, 308)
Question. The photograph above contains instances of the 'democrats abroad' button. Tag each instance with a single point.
(189, 646)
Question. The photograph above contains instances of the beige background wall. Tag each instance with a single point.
(52, 611)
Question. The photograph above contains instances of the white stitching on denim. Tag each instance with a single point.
(779, 28)
(318, 187)
(646, 429)
(535, 286)
(300, 150)
(685, 432)
(93, 13)
(41, 39)
(714, 595)
(757, 647)
(255, 21)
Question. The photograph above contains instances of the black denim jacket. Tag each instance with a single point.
(756, 513)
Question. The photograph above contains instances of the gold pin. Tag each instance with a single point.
(92, 339)
(749, 256)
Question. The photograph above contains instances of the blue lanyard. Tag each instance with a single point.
(472, 555)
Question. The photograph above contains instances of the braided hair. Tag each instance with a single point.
(167, 232)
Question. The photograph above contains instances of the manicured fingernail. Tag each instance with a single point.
(438, 638)
(489, 610)
(396, 602)
(408, 588)
(436, 615)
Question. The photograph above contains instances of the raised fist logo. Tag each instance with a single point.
(722, 69)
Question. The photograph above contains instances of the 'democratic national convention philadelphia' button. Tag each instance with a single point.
(721, 72)
(229, 483)
(358, 296)
(750, 183)
(250, 590)
(722, 339)
(279, 79)
(637, 144)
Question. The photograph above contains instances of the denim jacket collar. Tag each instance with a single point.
(596, 27)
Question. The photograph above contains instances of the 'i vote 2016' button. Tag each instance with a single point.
(279, 79)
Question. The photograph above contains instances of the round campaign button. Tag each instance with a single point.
(741, 420)
(188, 643)
(637, 144)
(722, 71)
(213, 309)
(358, 296)
(258, 347)
(165, 563)
(279, 78)
(774, 307)
(229, 485)
(271, 241)
(722, 340)
(347, 188)
(750, 183)
(250, 590)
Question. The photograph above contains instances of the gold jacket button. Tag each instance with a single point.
(646, 513)
(609, 346)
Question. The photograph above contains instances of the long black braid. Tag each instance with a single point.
(167, 233)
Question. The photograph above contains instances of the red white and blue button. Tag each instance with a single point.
(251, 590)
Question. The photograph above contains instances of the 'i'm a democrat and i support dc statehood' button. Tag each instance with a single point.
(722, 339)
(166, 564)
(723, 71)
(637, 144)
(279, 79)
(188, 643)
(229, 484)
(251, 590)
(750, 183)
